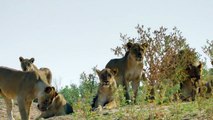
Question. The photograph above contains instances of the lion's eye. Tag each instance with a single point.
(109, 75)
(46, 101)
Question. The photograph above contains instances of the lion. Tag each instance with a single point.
(58, 107)
(191, 85)
(130, 68)
(105, 97)
(209, 88)
(27, 65)
(24, 87)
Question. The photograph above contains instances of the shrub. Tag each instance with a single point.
(166, 58)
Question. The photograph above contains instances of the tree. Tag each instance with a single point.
(88, 84)
(208, 50)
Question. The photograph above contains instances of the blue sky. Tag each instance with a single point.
(72, 36)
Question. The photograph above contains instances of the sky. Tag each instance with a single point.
(73, 36)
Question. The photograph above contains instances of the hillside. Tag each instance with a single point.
(199, 110)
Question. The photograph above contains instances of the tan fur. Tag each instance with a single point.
(24, 87)
(130, 67)
(107, 89)
(57, 108)
(27, 65)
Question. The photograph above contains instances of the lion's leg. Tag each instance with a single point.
(110, 105)
(135, 85)
(100, 102)
(126, 90)
(22, 110)
(9, 104)
(27, 106)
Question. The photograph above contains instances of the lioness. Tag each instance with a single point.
(24, 86)
(106, 91)
(188, 87)
(27, 65)
(130, 67)
(58, 107)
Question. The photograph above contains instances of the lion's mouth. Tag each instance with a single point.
(105, 83)
(42, 108)
(25, 69)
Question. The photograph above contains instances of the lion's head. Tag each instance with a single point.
(46, 97)
(194, 71)
(27, 64)
(137, 50)
(106, 76)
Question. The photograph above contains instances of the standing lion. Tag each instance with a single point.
(27, 65)
(130, 68)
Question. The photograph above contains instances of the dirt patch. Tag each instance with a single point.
(34, 112)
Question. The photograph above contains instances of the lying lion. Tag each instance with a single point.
(58, 107)
(130, 67)
(24, 87)
(27, 65)
(105, 97)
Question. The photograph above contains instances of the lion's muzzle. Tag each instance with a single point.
(42, 108)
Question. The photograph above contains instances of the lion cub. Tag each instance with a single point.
(106, 91)
(27, 65)
(58, 107)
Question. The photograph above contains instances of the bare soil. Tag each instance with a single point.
(3, 111)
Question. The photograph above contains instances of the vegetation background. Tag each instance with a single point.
(166, 59)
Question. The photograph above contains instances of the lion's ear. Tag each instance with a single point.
(53, 88)
(21, 58)
(144, 45)
(114, 71)
(98, 72)
(200, 65)
(48, 89)
(55, 94)
(129, 45)
(32, 60)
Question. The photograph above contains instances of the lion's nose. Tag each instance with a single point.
(38, 105)
(139, 55)
(107, 82)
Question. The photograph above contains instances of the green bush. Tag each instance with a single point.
(71, 93)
